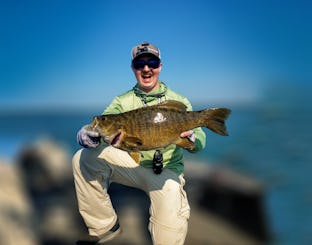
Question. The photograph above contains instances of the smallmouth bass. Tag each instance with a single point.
(157, 126)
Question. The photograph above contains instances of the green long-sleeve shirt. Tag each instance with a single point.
(135, 98)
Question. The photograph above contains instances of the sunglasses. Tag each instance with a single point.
(140, 64)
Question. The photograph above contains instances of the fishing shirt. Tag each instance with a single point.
(136, 98)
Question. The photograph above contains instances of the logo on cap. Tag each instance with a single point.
(145, 48)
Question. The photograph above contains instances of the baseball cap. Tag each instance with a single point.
(145, 48)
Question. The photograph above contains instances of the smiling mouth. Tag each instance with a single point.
(146, 76)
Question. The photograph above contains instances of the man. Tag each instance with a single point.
(96, 166)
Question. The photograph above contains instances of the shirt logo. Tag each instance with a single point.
(159, 118)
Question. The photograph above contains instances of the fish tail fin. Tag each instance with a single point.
(214, 119)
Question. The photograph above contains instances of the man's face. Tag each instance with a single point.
(146, 70)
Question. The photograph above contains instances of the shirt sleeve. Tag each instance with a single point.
(114, 107)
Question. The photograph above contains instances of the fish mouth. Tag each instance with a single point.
(94, 125)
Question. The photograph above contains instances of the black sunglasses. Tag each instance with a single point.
(140, 64)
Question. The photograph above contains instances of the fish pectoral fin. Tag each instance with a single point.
(132, 142)
(185, 143)
(136, 156)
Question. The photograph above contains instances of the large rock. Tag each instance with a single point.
(16, 212)
(232, 198)
(47, 174)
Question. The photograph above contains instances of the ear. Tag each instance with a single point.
(160, 66)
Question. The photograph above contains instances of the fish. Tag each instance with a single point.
(157, 126)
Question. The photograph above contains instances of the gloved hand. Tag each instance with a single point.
(88, 138)
(189, 134)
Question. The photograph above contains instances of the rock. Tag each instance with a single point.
(45, 166)
(234, 198)
(16, 212)
(47, 173)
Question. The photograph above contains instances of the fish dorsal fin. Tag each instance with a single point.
(173, 104)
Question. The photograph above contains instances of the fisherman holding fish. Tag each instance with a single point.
(138, 142)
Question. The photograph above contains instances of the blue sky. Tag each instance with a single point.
(76, 54)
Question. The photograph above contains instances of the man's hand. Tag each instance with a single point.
(88, 138)
(189, 134)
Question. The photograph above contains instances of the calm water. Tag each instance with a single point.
(271, 144)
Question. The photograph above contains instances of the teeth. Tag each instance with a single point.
(146, 75)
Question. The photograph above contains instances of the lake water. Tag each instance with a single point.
(271, 144)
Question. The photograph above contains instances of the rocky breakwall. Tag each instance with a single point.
(38, 203)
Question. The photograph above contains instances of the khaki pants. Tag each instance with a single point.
(95, 169)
